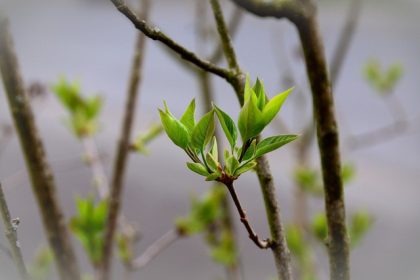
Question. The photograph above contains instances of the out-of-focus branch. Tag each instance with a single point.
(382, 134)
(40, 173)
(11, 234)
(345, 38)
(155, 33)
(100, 179)
(155, 249)
(123, 150)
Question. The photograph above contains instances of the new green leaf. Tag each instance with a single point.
(187, 118)
(197, 168)
(175, 130)
(203, 131)
(272, 143)
(273, 106)
(228, 126)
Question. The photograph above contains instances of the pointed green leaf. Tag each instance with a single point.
(272, 143)
(273, 106)
(198, 168)
(212, 162)
(245, 167)
(248, 90)
(250, 152)
(187, 118)
(175, 130)
(251, 121)
(214, 150)
(203, 131)
(231, 165)
(228, 126)
(260, 92)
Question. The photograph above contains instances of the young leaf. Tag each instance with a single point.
(273, 106)
(175, 130)
(248, 91)
(260, 92)
(187, 118)
(251, 121)
(250, 152)
(213, 176)
(228, 126)
(203, 131)
(212, 162)
(214, 151)
(244, 168)
(272, 143)
(198, 168)
(231, 165)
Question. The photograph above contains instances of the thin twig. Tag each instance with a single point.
(278, 244)
(345, 38)
(155, 33)
(123, 150)
(43, 184)
(11, 234)
(262, 244)
(100, 179)
(155, 249)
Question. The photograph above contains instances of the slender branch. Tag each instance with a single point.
(225, 39)
(262, 244)
(99, 177)
(232, 26)
(155, 249)
(39, 170)
(123, 152)
(11, 235)
(278, 243)
(155, 33)
(346, 36)
(328, 142)
(326, 124)
(381, 134)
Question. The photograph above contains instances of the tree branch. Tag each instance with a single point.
(122, 153)
(155, 249)
(346, 36)
(262, 244)
(155, 33)
(328, 142)
(40, 173)
(11, 234)
(278, 243)
(289, 9)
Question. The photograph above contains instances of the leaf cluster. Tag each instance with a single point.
(198, 141)
(84, 111)
(383, 81)
(89, 226)
(205, 212)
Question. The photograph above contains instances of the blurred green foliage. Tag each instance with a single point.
(382, 80)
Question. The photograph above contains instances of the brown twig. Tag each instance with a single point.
(40, 173)
(123, 149)
(303, 15)
(262, 244)
(11, 234)
(155, 33)
(278, 243)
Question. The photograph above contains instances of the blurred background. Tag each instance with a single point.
(90, 41)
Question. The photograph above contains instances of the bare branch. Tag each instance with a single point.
(346, 36)
(11, 234)
(155, 249)
(155, 33)
(123, 150)
(262, 244)
(39, 170)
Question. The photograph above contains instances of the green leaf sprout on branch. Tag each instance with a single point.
(84, 111)
(200, 144)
